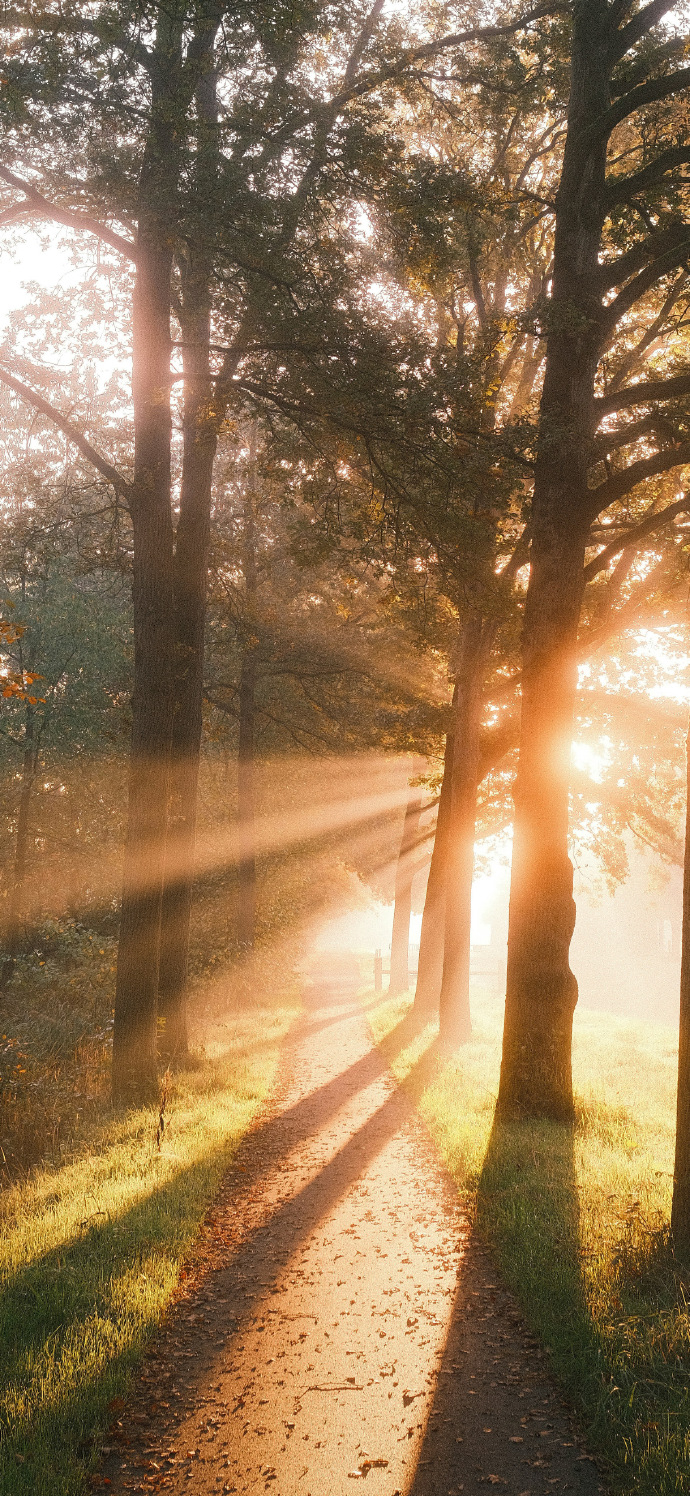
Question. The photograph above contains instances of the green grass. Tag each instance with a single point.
(577, 1220)
(91, 1250)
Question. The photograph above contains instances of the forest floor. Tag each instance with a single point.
(340, 1319)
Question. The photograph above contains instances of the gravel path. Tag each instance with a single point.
(339, 1323)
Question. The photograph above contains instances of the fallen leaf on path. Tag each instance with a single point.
(348, 1386)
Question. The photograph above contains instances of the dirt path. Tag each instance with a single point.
(342, 1325)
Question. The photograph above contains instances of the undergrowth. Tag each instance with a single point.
(577, 1219)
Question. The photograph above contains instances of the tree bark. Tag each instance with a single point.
(680, 1207)
(190, 576)
(404, 874)
(246, 807)
(135, 1030)
(455, 1026)
(430, 968)
(16, 902)
(536, 1078)
(190, 572)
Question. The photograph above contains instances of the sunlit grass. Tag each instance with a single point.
(90, 1252)
(578, 1222)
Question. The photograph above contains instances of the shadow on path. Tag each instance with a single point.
(495, 1417)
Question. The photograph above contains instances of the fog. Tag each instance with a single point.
(625, 951)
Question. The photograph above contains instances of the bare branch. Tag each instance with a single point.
(634, 610)
(612, 441)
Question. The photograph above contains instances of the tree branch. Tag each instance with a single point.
(38, 204)
(654, 247)
(519, 556)
(645, 393)
(638, 27)
(632, 611)
(636, 355)
(456, 39)
(636, 98)
(642, 283)
(633, 536)
(611, 441)
(623, 483)
(623, 188)
(72, 432)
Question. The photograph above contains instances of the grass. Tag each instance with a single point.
(91, 1249)
(577, 1220)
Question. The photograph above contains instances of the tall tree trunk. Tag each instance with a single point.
(455, 1025)
(536, 1077)
(404, 875)
(190, 576)
(134, 1039)
(246, 807)
(190, 583)
(15, 915)
(680, 1208)
(430, 967)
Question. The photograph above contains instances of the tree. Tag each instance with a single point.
(402, 910)
(303, 654)
(680, 1206)
(630, 198)
(225, 234)
(69, 612)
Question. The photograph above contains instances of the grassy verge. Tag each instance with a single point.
(578, 1222)
(91, 1248)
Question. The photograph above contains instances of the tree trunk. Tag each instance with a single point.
(134, 1039)
(200, 439)
(246, 809)
(680, 1208)
(15, 915)
(430, 968)
(246, 869)
(404, 875)
(536, 1078)
(190, 580)
(455, 1026)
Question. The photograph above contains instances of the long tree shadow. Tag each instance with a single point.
(528, 1206)
(45, 1303)
(493, 1371)
(240, 1274)
(302, 1026)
